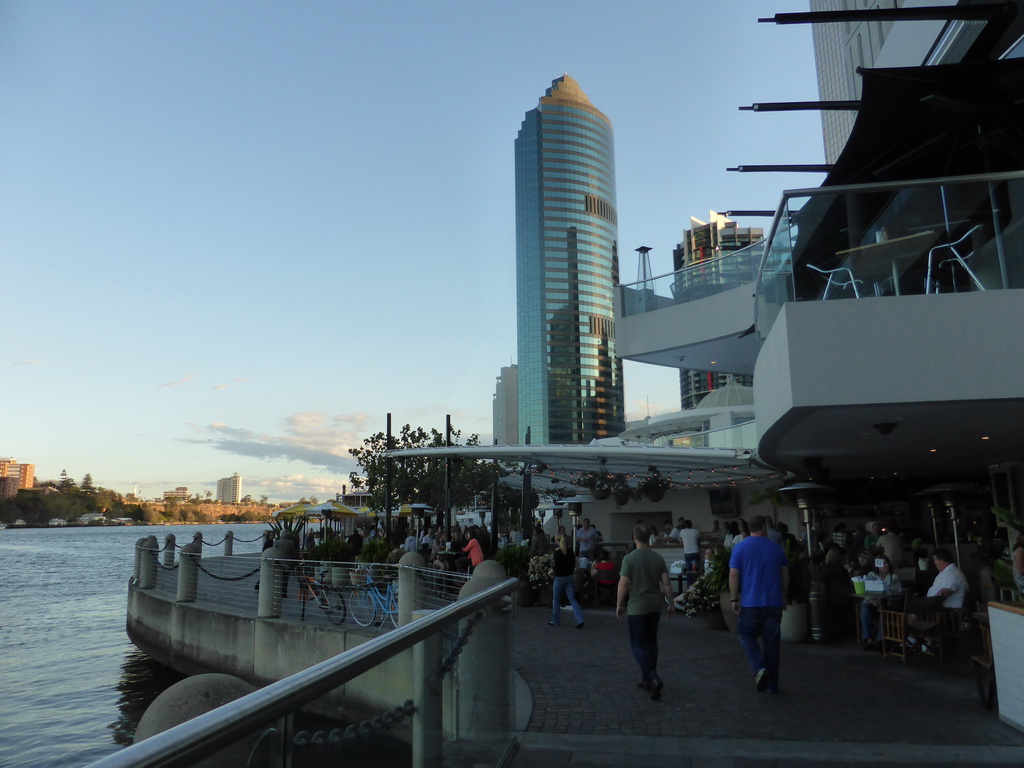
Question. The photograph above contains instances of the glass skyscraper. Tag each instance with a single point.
(570, 381)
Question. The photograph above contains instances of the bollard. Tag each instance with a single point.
(268, 605)
(137, 568)
(427, 739)
(229, 544)
(483, 669)
(148, 564)
(169, 547)
(188, 576)
(408, 581)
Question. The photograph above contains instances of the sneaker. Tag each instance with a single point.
(644, 684)
(552, 624)
(656, 686)
(761, 680)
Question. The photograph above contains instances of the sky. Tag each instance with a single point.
(237, 234)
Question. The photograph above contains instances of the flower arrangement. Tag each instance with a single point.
(539, 567)
(701, 598)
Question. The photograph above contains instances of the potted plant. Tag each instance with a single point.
(374, 551)
(654, 486)
(621, 490)
(798, 595)
(703, 599)
(516, 562)
(600, 485)
(333, 551)
(539, 577)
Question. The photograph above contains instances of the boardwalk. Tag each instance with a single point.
(837, 706)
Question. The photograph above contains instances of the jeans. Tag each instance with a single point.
(869, 614)
(565, 585)
(764, 623)
(643, 640)
(690, 561)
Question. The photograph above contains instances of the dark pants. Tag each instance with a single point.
(643, 640)
(764, 624)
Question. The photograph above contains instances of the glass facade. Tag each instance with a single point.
(570, 380)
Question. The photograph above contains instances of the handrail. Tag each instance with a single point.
(185, 744)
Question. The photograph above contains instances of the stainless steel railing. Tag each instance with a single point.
(203, 736)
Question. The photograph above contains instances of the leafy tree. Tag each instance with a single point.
(247, 499)
(87, 486)
(420, 479)
(313, 500)
(264, 501)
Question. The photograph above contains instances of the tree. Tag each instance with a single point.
(313, 500)
(247, 499)
(421, 479)
(66, 483)
(209, 495)
(87, 486)
(264, 501)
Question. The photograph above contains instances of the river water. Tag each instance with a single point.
(72, 686)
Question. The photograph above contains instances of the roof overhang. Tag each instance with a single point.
(686, 467)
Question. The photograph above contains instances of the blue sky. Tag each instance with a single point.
(237, 234)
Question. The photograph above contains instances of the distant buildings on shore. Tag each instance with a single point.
(229, 489)
(14, 477)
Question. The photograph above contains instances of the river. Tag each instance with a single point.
(72, 686)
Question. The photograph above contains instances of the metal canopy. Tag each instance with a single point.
(686, 467)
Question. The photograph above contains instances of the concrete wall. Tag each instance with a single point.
(194, 638)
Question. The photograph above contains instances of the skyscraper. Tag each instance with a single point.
(570, 380)
(229, 489)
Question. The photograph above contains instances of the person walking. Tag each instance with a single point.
(643, 589)
(758, 577)
(564, 583)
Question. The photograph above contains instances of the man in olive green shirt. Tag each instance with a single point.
(643, 590)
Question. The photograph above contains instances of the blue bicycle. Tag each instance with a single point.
(372, 600)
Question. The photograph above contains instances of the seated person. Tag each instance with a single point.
(603, 569)
(949, 583)
(870, 607)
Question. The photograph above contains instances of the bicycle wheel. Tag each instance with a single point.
(333, 605)
(391, 607)
(364, 610)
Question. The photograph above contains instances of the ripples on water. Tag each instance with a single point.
(72, 686)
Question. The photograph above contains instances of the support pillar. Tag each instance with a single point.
(408, 586)
(427, 737)
(148, 563)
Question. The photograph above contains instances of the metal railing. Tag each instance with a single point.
(209, 733)
(696, 281)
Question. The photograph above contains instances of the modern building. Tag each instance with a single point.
(569, 377)
(24, 473)
(506, 406)
(8, 487)
(229, 489)
(699, 257)
(181, 492)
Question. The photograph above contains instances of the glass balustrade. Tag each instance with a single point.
(925, 237)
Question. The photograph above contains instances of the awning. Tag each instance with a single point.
(931, 122)
(686, 467)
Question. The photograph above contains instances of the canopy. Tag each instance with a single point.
(333, 509)
(291, 512)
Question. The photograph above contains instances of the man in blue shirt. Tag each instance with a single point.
(758, 576)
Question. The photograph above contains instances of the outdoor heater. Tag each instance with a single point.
(817, 607)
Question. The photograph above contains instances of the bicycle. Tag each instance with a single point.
(373, 598)
(328, 598)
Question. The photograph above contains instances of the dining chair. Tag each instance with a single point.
(894, 632)
(955, 258)
(851, 281)
(606, 587)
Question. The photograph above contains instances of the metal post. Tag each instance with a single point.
(448, 474)
(427, 738)
(148, 563)
(267, 606)
(388, 463)
(525, 512)
(229, 544)
(408, 578)
(188, 573)
(169, 547)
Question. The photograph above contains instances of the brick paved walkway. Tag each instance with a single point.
(838, 705)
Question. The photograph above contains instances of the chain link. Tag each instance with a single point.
(226, 578)
(338, 738)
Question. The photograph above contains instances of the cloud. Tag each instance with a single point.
(225, 386)
(28, 362)
(317, 439)
(183, 380)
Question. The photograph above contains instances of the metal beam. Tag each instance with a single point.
(793, 106)
(752, 212)
(810, 168)
(979, 12)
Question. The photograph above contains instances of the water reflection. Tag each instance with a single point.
(142, 679)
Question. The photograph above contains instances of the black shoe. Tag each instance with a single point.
(761, 680)
(644, 684)
(552, 624)
(655, 686)
(580, 625)
(873, 647)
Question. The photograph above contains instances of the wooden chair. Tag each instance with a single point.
(605, 587)
(925, 635)
(894, 632)
(984, 671)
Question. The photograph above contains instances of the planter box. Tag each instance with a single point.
(1006, 620)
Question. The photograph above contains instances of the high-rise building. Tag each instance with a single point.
(24, 473)
(703, 243)
(506, 406)
(229, 489)
(570, 380)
